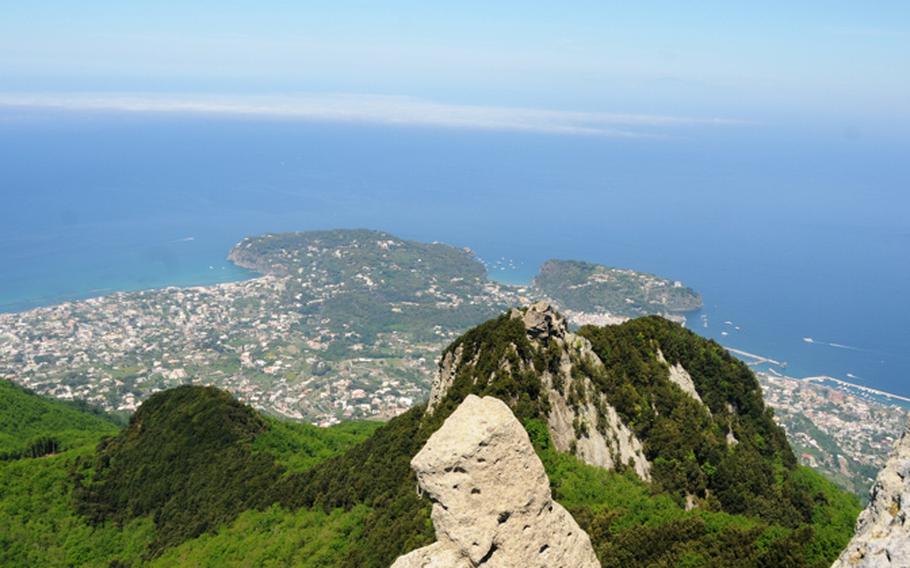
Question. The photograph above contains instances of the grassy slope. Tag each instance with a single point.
(298, 447)
(25, 417)
(39, 525)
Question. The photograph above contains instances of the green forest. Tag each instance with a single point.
(589, 287)
(197, 478)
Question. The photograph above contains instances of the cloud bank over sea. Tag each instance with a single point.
(378, 109)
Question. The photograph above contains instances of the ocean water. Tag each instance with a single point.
(788, 232)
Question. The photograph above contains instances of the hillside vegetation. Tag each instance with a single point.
(199, 479)
(370, 281)
(632, 525)
(756, 506)
(685, 439)
(589, 287)
(31, 426)
(191, 462)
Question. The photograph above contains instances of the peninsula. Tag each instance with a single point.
(348, 324)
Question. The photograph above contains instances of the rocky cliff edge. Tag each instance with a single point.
(882, 538)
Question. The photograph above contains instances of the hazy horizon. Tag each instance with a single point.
(835, 65)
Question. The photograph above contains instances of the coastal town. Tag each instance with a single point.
(846, 436)
(292, 342)
(115, 350)
(348, 326)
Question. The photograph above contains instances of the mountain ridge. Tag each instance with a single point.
(498, 358)
(354, 500)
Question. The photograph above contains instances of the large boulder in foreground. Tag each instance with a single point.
(492, 505)
(882, 538)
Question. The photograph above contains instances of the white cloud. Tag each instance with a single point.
(376, 109)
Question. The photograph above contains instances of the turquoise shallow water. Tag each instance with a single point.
(787, 234)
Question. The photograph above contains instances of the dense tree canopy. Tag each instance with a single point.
(197, 477)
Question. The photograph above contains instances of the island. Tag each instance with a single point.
(584, 289)
(348, 324)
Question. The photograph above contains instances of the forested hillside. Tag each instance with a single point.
(31, 426)
(595, 288)
(197, 478)
(192, 461)
(754, 505)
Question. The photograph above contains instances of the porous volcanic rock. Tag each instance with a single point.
(492, 505)
(882, 538)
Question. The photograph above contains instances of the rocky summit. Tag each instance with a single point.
(882, 537)
(570, 415)
(492, 504)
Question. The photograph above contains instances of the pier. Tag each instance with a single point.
(870, 390)
(758, 359)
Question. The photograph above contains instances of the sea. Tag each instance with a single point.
(796, 235)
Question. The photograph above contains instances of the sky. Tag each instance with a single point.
(838, 62)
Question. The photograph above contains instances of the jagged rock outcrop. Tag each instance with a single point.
(681, 377)
(492, 505)
(581, 420)
(542, 322)
(882, 538)
(445, 376)
(588, 426)
(623, 397)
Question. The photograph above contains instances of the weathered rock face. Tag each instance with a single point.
(492, 505)
(594, 432)
(542, 321)
(585, 425)
(882, 538)
(681, 377)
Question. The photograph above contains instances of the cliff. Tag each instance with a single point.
(590, 428)
(882, 537)
(622, 397)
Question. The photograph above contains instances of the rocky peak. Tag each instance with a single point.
(584, 423)
(882, 538)
(492, 505)
(541, 321)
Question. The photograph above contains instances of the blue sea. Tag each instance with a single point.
(788, 231)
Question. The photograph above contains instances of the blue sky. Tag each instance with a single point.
(837, 60)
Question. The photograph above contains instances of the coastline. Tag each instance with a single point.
(825, 380)
(253, 273)
(842, 383)
(197, 278)
(236, 268)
